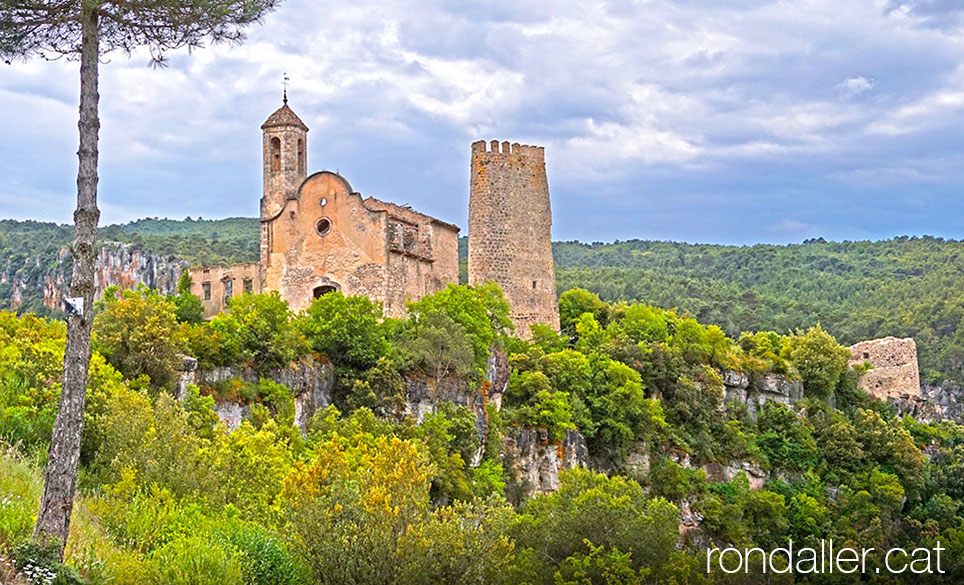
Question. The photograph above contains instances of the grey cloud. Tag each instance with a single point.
(688, 120)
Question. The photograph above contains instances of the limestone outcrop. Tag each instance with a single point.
(534, 461)
(756, 388)
(117, 264)
(309, 379)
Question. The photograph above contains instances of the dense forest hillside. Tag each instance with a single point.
(906, 286)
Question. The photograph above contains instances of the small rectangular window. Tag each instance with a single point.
(206, 287)
(228, 290)
(248, 286)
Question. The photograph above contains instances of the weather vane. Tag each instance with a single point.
(285, 83)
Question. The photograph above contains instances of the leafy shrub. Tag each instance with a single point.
(139, 334)
(611, 512)
(40, 563)
(262, 330)
(349, 330)
(31, 359)
(263, 558)
(817, 358)
(195, 560)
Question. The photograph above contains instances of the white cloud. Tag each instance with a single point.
(855, 86)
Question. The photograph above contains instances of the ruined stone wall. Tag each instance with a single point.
(422, 255)
(215, 285)
(895, 371)
(510, 230)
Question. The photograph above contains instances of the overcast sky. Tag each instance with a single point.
(729, 121)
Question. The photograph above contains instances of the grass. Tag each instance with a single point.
(90, 550)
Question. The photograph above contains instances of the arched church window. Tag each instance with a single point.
(275, 154)
(301, 156)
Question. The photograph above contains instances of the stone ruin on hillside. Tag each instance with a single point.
(894, 372)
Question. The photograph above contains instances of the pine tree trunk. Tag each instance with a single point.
(60, 479)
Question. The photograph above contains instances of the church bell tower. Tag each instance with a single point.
(285, 151)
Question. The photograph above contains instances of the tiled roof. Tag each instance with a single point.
(284, 116)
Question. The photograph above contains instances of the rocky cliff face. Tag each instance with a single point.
(757, 388)
(937, 402)
(534, 462)
(309, 379)
(121, 265)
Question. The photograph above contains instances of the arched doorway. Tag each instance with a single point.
(322, 290)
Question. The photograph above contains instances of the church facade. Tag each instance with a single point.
(318, 235)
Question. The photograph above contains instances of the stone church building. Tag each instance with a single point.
(318, 235)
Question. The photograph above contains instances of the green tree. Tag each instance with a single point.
(189, 307)
(480, 310)
(817, 359)
(619, 410)
(644, 323)
(139, 335)
(533, 402)
(575, 302)
(607, 512)
(439, 346)
(786, 440)
(349, 330)
(263, 329)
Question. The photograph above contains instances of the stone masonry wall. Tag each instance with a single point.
(895, 371)
(510, 230)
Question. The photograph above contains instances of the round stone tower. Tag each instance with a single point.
(510, 230)
(285, 150)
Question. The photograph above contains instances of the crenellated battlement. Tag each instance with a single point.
(494, 147)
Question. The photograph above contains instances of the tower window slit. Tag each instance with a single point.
(301, 156)
(275, 154)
